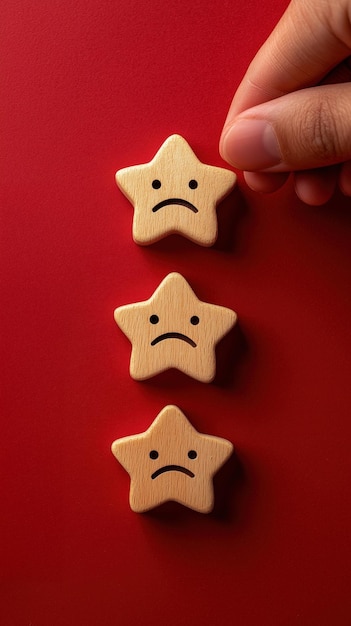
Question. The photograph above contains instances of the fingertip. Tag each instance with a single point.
(251, 144)
(316, 187)
(223, 144)
(265, 183)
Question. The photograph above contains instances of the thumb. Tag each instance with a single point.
(306, 129)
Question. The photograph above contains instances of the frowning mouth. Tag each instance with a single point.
(173, 468)
(180, 201)
(173, 336)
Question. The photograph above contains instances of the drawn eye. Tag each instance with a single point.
(157, 184)
(192, 454)
(154, 319)
(193, 184)
(194, 320)
(154, 455)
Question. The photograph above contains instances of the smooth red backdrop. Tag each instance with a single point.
(87, 88)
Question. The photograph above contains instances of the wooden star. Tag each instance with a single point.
(171, 461)
(175, 193)
(174, 329)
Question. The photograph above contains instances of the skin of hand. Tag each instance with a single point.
(292, 110)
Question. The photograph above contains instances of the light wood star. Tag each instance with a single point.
(174, 329)
(171, 461)
(175, 193)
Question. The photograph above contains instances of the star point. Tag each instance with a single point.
(174, 329)
(171, 461)
(175, 193)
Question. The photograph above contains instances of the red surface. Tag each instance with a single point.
(86, 88)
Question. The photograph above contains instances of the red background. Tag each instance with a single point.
(87, 88)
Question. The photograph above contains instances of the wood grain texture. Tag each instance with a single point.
(174, 329)
(175, 193)
(171, 461)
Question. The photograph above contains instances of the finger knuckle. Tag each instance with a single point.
(321, 125)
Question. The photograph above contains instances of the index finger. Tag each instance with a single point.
(309, 40)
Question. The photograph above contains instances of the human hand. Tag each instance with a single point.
(292, 110)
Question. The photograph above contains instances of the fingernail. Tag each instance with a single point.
(251, 145)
